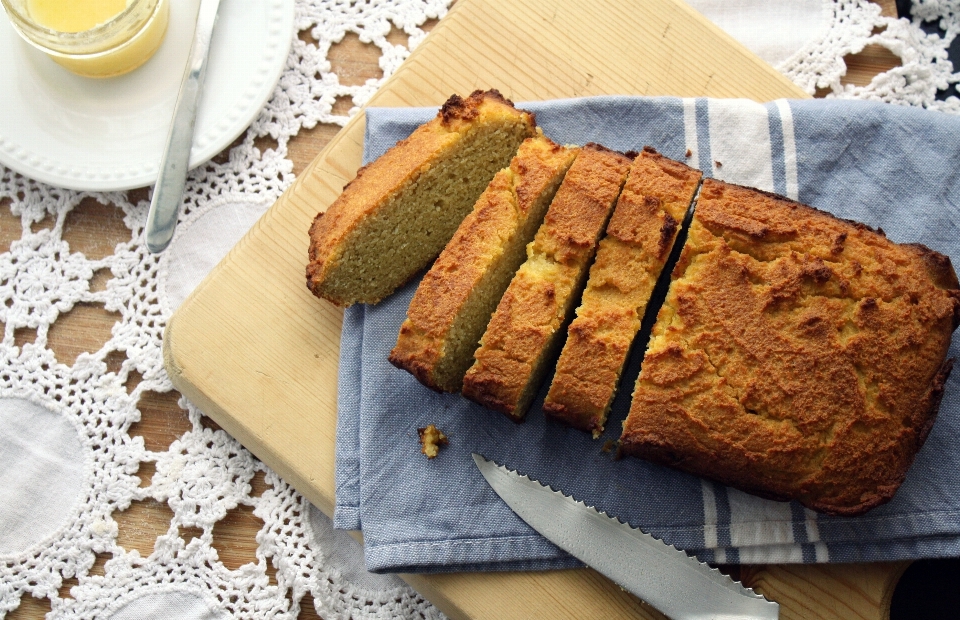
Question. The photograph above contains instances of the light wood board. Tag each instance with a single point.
(258, 353)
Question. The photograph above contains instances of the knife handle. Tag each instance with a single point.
(175, 163)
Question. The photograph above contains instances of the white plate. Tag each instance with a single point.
(108, 134)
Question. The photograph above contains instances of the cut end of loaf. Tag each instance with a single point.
(399, 212)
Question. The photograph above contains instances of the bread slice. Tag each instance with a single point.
(400, 211)
(523, 333)
(639, 238)
(456, 297)
(797, 356)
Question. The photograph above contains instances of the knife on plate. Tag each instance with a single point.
(673, 582)
(175, 162)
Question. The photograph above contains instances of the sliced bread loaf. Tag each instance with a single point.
(523, 333)
(455, 299)
(640, 235)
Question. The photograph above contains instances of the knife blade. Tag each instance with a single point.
(676, 584)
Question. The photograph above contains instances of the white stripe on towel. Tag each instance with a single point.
(709, 515)
(823, 554)
(789, 149)
(813, 535)
(740, 143)
(756, 521)
(690, 131)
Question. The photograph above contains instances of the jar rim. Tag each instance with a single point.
(51, 40)
(29, 22)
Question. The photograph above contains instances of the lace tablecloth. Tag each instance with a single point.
(68, 461)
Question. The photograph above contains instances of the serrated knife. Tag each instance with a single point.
(665, 577)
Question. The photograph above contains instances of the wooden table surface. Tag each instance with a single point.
(94, 229)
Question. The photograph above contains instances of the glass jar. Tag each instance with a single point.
(120, 44)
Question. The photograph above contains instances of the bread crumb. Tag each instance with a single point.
(689, 153)
(431, 440)
(718, 164)
(609, 445)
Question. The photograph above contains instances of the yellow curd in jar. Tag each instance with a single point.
(74, 15)
(98, 38)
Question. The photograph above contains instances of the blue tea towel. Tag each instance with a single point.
(890, 167)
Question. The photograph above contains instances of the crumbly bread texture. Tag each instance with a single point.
(797, 356)
(522, 335)
(455, 299)
(400, 210)
(640, 235)
(431, 440)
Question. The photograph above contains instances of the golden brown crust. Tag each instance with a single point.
(424, 347)
(934, 396)
(313, 252)
(518, 331)
(377, 182)
(456, 108)
(523, 331)
(941, 271)
(639, 238)
(798, 356)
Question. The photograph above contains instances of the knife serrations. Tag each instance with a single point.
(667, 578)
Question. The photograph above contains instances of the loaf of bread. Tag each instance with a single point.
(797, 356)
(455, 299)
(400, 211)
(522, 335)
(640, 235)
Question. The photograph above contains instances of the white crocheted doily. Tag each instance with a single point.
(854, 24)
(67, 460)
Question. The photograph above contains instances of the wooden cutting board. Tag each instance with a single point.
(256, 352)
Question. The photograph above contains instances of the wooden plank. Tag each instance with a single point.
(849, 591)
(259, 354)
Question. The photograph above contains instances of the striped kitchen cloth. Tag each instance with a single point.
(890, 167)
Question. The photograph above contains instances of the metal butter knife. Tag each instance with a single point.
(168, 192)
(676, 584)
